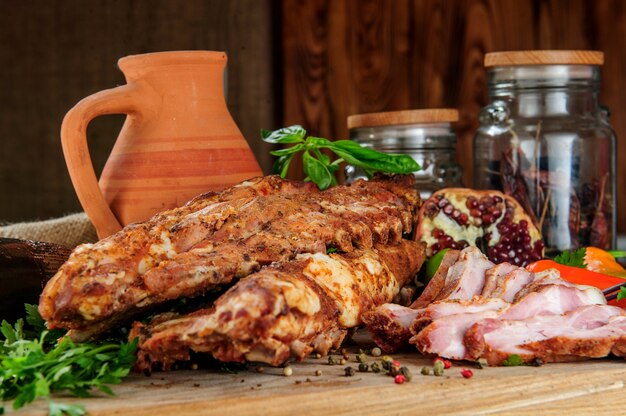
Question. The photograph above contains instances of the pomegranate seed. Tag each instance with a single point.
(475, 213)
(471, 203)
(456, 213)
(400, 379)
(481, 207)
(442, 203)
(496, 212)
(523, 224)
(462, 219)
(497, 199)
(487, 219)
(437, 233)
(448, 209)
(467, 373)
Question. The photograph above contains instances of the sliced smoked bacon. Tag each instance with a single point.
(591, 331)
(445, 334)
(464, 283)
(284, 311)
(218, 238)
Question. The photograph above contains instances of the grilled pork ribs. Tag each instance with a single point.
(219, 238)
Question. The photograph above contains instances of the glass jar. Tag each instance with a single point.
(426, 135)
(545, 140)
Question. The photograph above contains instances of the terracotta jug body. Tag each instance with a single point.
(178, 140)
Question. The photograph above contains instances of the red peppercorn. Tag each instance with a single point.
(399, 379)
(446, 363)
(396, 363)
(467, 373)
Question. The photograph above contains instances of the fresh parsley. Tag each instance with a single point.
(513, 360)
(34, 364)
(573, 258)
(318, 167)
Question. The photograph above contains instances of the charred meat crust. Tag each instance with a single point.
(188, 250)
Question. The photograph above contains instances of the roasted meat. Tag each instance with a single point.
(218, 238)
(285, 310)
(585, 332)
(445, 335)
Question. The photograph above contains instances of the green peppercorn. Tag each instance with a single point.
(406, 373)
(425, 371)
(361, 358)
(376, 352)
(363, 367)
(394, 371)
(438, 367)
(331, 360)
(375, 368)
(349, 371)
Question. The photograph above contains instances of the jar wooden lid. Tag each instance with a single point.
(518, 58)
(389, 118)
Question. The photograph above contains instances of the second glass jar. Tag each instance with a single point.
(426, 134)
(545, 140)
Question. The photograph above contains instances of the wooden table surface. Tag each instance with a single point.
(592, 387)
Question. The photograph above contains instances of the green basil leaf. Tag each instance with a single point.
(287, 150)
(317, 171)
(281, 165)
(390, 163)
(291, 134)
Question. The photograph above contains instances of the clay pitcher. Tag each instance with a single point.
(178, 140)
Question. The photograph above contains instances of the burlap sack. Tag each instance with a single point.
(68, 231)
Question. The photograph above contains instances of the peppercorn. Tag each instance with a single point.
(318, 372)
(260, 369)
(287, 371)
(406, 373)
(438, 367)
(394, 371)
(425, 371)
(467, 373)
(396, 363)
(342, 361)
(446, 363)
(375, 368)
(349, 371)
(385, 364)
(361, 358)
(331, 360)
(363, 367)
(481, 363)
(399, 379)
(376, 352)
(318, 355)
(537, 362)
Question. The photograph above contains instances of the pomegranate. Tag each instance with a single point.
(496, 223)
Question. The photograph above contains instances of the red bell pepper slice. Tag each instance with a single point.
(580, 276)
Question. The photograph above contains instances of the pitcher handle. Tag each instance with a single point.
(120, 100)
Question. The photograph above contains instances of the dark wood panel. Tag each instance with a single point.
(55, 52)
(353, 56)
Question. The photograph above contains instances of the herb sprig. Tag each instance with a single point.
(318, 166)
(573, 258)
(34, 365)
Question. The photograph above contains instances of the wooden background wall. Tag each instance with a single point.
(311, 62)
(55, 52)
(355, 56)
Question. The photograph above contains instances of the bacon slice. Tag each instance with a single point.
(586, 332)
(445, 336)
(461, 275)
(217, 239)
(285, 311)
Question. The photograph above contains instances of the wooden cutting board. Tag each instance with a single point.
(592, 387)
